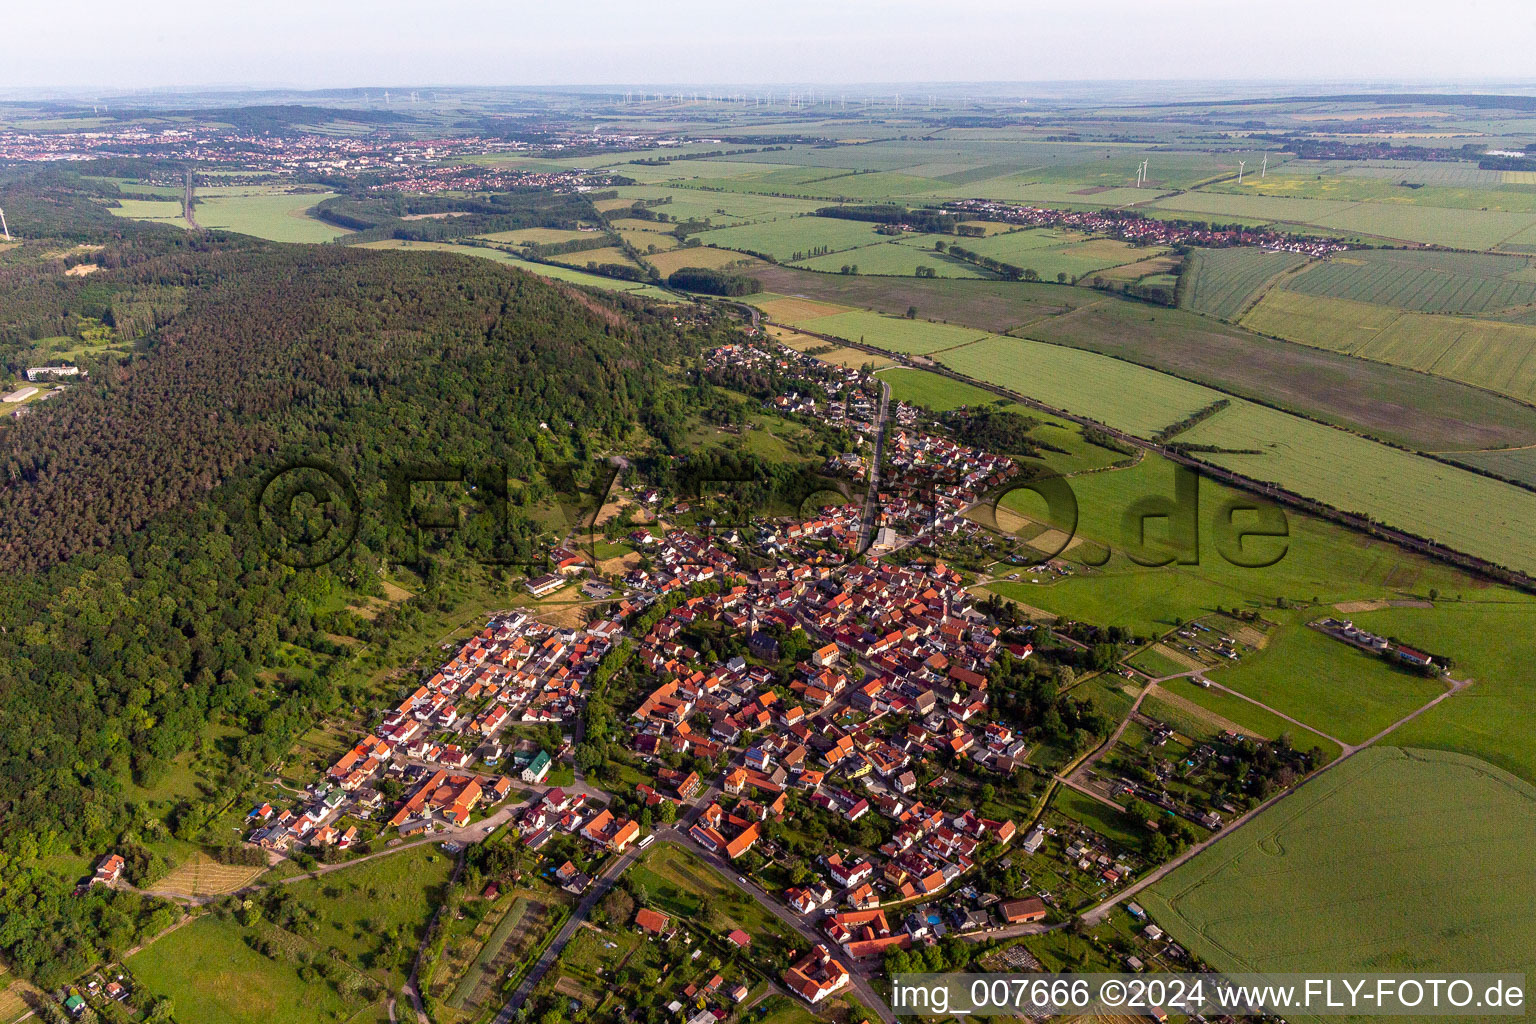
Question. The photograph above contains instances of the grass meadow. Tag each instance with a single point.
(1398, 860)
(213, 977)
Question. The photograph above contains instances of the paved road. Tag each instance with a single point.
(872, 497)
(1354, 521)
(866, 992)
(600, 887)
(1098, 913)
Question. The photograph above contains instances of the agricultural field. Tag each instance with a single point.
(1456, 228)
(892, 333)
(1119, 394)
(1490, 354)
(201, 875)
(1225, 282)
(1512, 464)
(793, 238)
(1390, 402)
(1482, 517)
(827, 352)
(166, 211)
(1338, 325)
(535, 236)
(1423, 281)
(697, 256)
(1050, 253)
(719, 208)
(894, 259)
(610, 254)
(1395, 860)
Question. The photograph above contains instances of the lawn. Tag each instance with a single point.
(1393, 861)
(213, 977)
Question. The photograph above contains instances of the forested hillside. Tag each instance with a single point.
(137, 603)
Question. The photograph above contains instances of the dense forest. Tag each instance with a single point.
(138, 604)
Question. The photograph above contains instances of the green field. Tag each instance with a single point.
(1117, 393)
(1339, 325)
(355, 906)
(1457, 228)
(1390, 402)
(892, 333)
(1319, 560)
(1481, 632)
(1068, 453)
(1396, 860)
(893, 258)
(1330, 685)
(1516, 464)
(1250, 717)
(1223, 282)
(1488, 354)
(1423, 281)
(1470, 513)
(536, 236)
(166, 211)
(212, 977)
(279, 216)
(1050, 253)
(784, 239)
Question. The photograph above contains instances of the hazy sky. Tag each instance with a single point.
(110, 44)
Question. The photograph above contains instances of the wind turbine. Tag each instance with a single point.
(4, 227)
(1240, 164)
(1264, 167)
